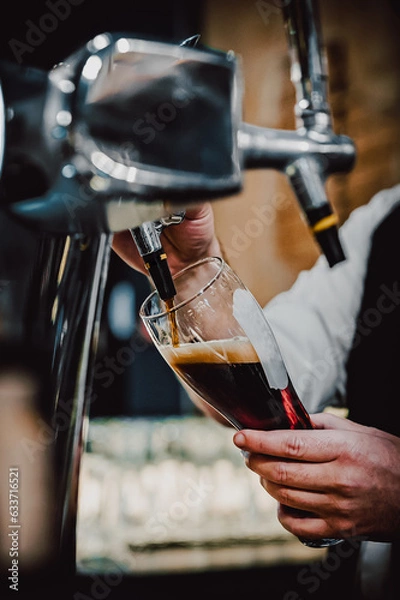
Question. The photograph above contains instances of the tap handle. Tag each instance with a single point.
(309, 75)
(148, 242)
(307, 178)
(157, 265)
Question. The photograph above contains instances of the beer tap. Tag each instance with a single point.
(147, 236)
(147, 239)
(312, 152)
(309, 76)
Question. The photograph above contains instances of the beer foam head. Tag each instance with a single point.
(238, 350)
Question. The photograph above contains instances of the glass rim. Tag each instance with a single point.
(164, 313)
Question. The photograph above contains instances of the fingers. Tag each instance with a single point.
(313, 477)
(184, 244)
(199, 211)
(195, 237)
(306, 525)
(310, 515)
(329, 421)
(126, 249)
(307, 445)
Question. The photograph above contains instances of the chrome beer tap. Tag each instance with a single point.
(147, 236)
(313, 152)
(78, 166)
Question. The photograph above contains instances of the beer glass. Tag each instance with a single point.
(214, 335)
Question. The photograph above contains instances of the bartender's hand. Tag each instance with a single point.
(184, 244)
(347, 474)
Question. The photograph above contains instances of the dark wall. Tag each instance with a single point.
(43, 32)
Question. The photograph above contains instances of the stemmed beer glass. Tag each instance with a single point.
(217, 340)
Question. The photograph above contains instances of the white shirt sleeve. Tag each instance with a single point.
(315, 321)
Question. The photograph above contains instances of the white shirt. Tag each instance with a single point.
(315, 321)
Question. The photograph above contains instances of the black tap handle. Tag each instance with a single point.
(157, 266)
(307, 177)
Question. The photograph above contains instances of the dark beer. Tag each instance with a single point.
(172, 321)
(228, 375)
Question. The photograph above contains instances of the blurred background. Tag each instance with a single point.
(165, 502)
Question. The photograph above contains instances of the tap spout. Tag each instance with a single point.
(148, 242)
(269, 148)
(307, 157)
